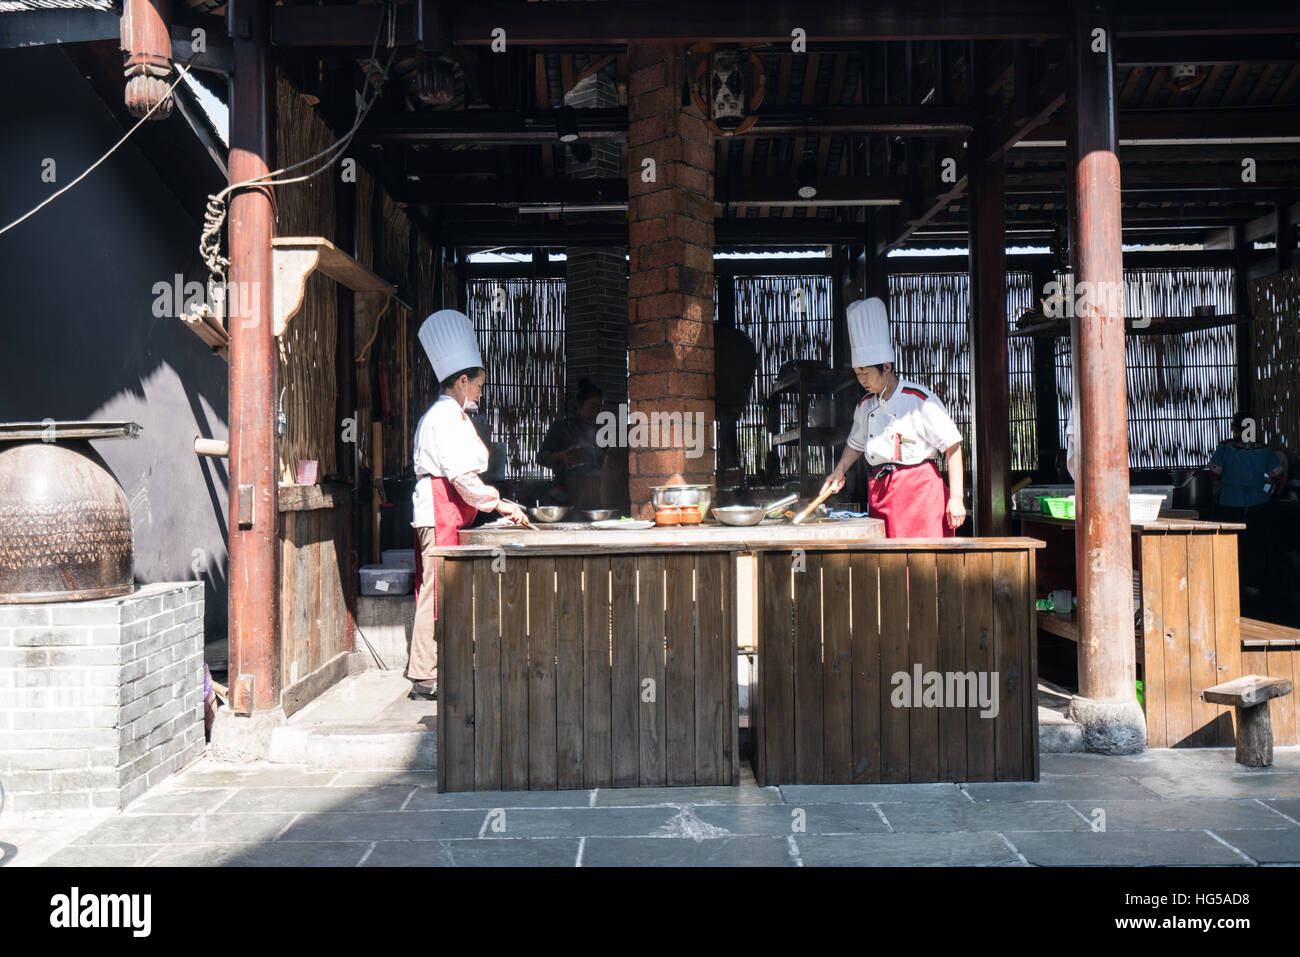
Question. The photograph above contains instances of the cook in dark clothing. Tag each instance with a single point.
(570, 446)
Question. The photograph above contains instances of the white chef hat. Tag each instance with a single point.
(869, 333)
(449, 341)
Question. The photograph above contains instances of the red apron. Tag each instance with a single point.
(450, 514)
(912, 501)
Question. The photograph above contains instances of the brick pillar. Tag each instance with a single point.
(595, 326)
(670, 267)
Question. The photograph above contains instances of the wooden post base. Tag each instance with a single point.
(1254, 736)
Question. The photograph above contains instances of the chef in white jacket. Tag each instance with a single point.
(449, 458)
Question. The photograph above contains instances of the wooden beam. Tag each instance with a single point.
(1191, 124)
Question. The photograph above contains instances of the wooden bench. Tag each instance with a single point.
(1250, 696)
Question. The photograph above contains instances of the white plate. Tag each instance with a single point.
(635, 525)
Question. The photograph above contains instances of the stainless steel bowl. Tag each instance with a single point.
(740, 514)
(599, 514)
(696, 496)
(548, 513)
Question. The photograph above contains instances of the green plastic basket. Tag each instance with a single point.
(1057, 507)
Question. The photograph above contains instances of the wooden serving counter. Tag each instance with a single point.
(615, 665)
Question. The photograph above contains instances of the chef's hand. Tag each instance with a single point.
(956, 512)
(512, 512)
(572, 456)
(834, 482)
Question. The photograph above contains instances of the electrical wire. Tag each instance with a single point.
(183, 72)
(215, 214)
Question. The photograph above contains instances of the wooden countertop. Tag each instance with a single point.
(561, 534)
(1162, 524)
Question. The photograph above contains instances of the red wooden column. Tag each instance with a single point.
(254, 446)
(1106, 705)
(670, 268)
(991, 463)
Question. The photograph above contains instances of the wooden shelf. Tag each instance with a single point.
(1060, 328)
(819, 381)
(297, 257)
(819, 435)
(1054, 624)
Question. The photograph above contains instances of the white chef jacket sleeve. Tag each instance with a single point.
(858, 434)
(936, 427)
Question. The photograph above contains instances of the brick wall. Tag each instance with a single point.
(670, 265)
(99, 700)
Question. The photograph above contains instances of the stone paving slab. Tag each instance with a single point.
(656, 852)
(988, 816)
(426, 800)
(368, 826)
(187, 828)
(422, 779)
(1288, 807)
(1189, 814)
(871, 793)
(1248, 785)
(1267, 847)
(1060, 788)
(179, 800)
(113, 855)
(1125, 849)
(639, 797)
(589, 822)
(977, 849)
(277, 854)
(562, 852)
(380, 798)
(781, 819)
(261, 776)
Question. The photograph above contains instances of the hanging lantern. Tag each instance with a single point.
(729, 85)
(435, 82)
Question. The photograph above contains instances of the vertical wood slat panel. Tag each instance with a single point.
(597, 708)
(514, 675)
(731, 648)
(541, 673)
(711, 705)
(679, 670)
(456, 677)
(303, 610)
(569, 697)
(950, 585)
(1227, 628)
(1031, 670)
(776, 661)
(1178, 683)
(650, 644)
(287, 533)
(1154, 692)
(923, 650)
(487, 677)
(895, 735)
(326, 553)
(315, 612)
(1010, 578)
(864, 570)
(981, 762)
(837, 670)
(624, 679)
(808, 670)
(1280, 664)
(1201, 640)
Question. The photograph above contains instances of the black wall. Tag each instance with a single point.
(78, 337)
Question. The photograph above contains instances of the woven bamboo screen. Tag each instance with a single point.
(1275, 301)
(520, 324)
(307, 348)
(788, 318)
(1181, 387)
(929, 320)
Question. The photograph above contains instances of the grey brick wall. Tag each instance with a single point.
(99, 700)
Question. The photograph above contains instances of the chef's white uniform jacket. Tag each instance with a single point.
(446, 445)
(905, 429)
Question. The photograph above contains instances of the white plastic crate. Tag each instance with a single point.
(1144, 508)
(386, 580)
(393, 557)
